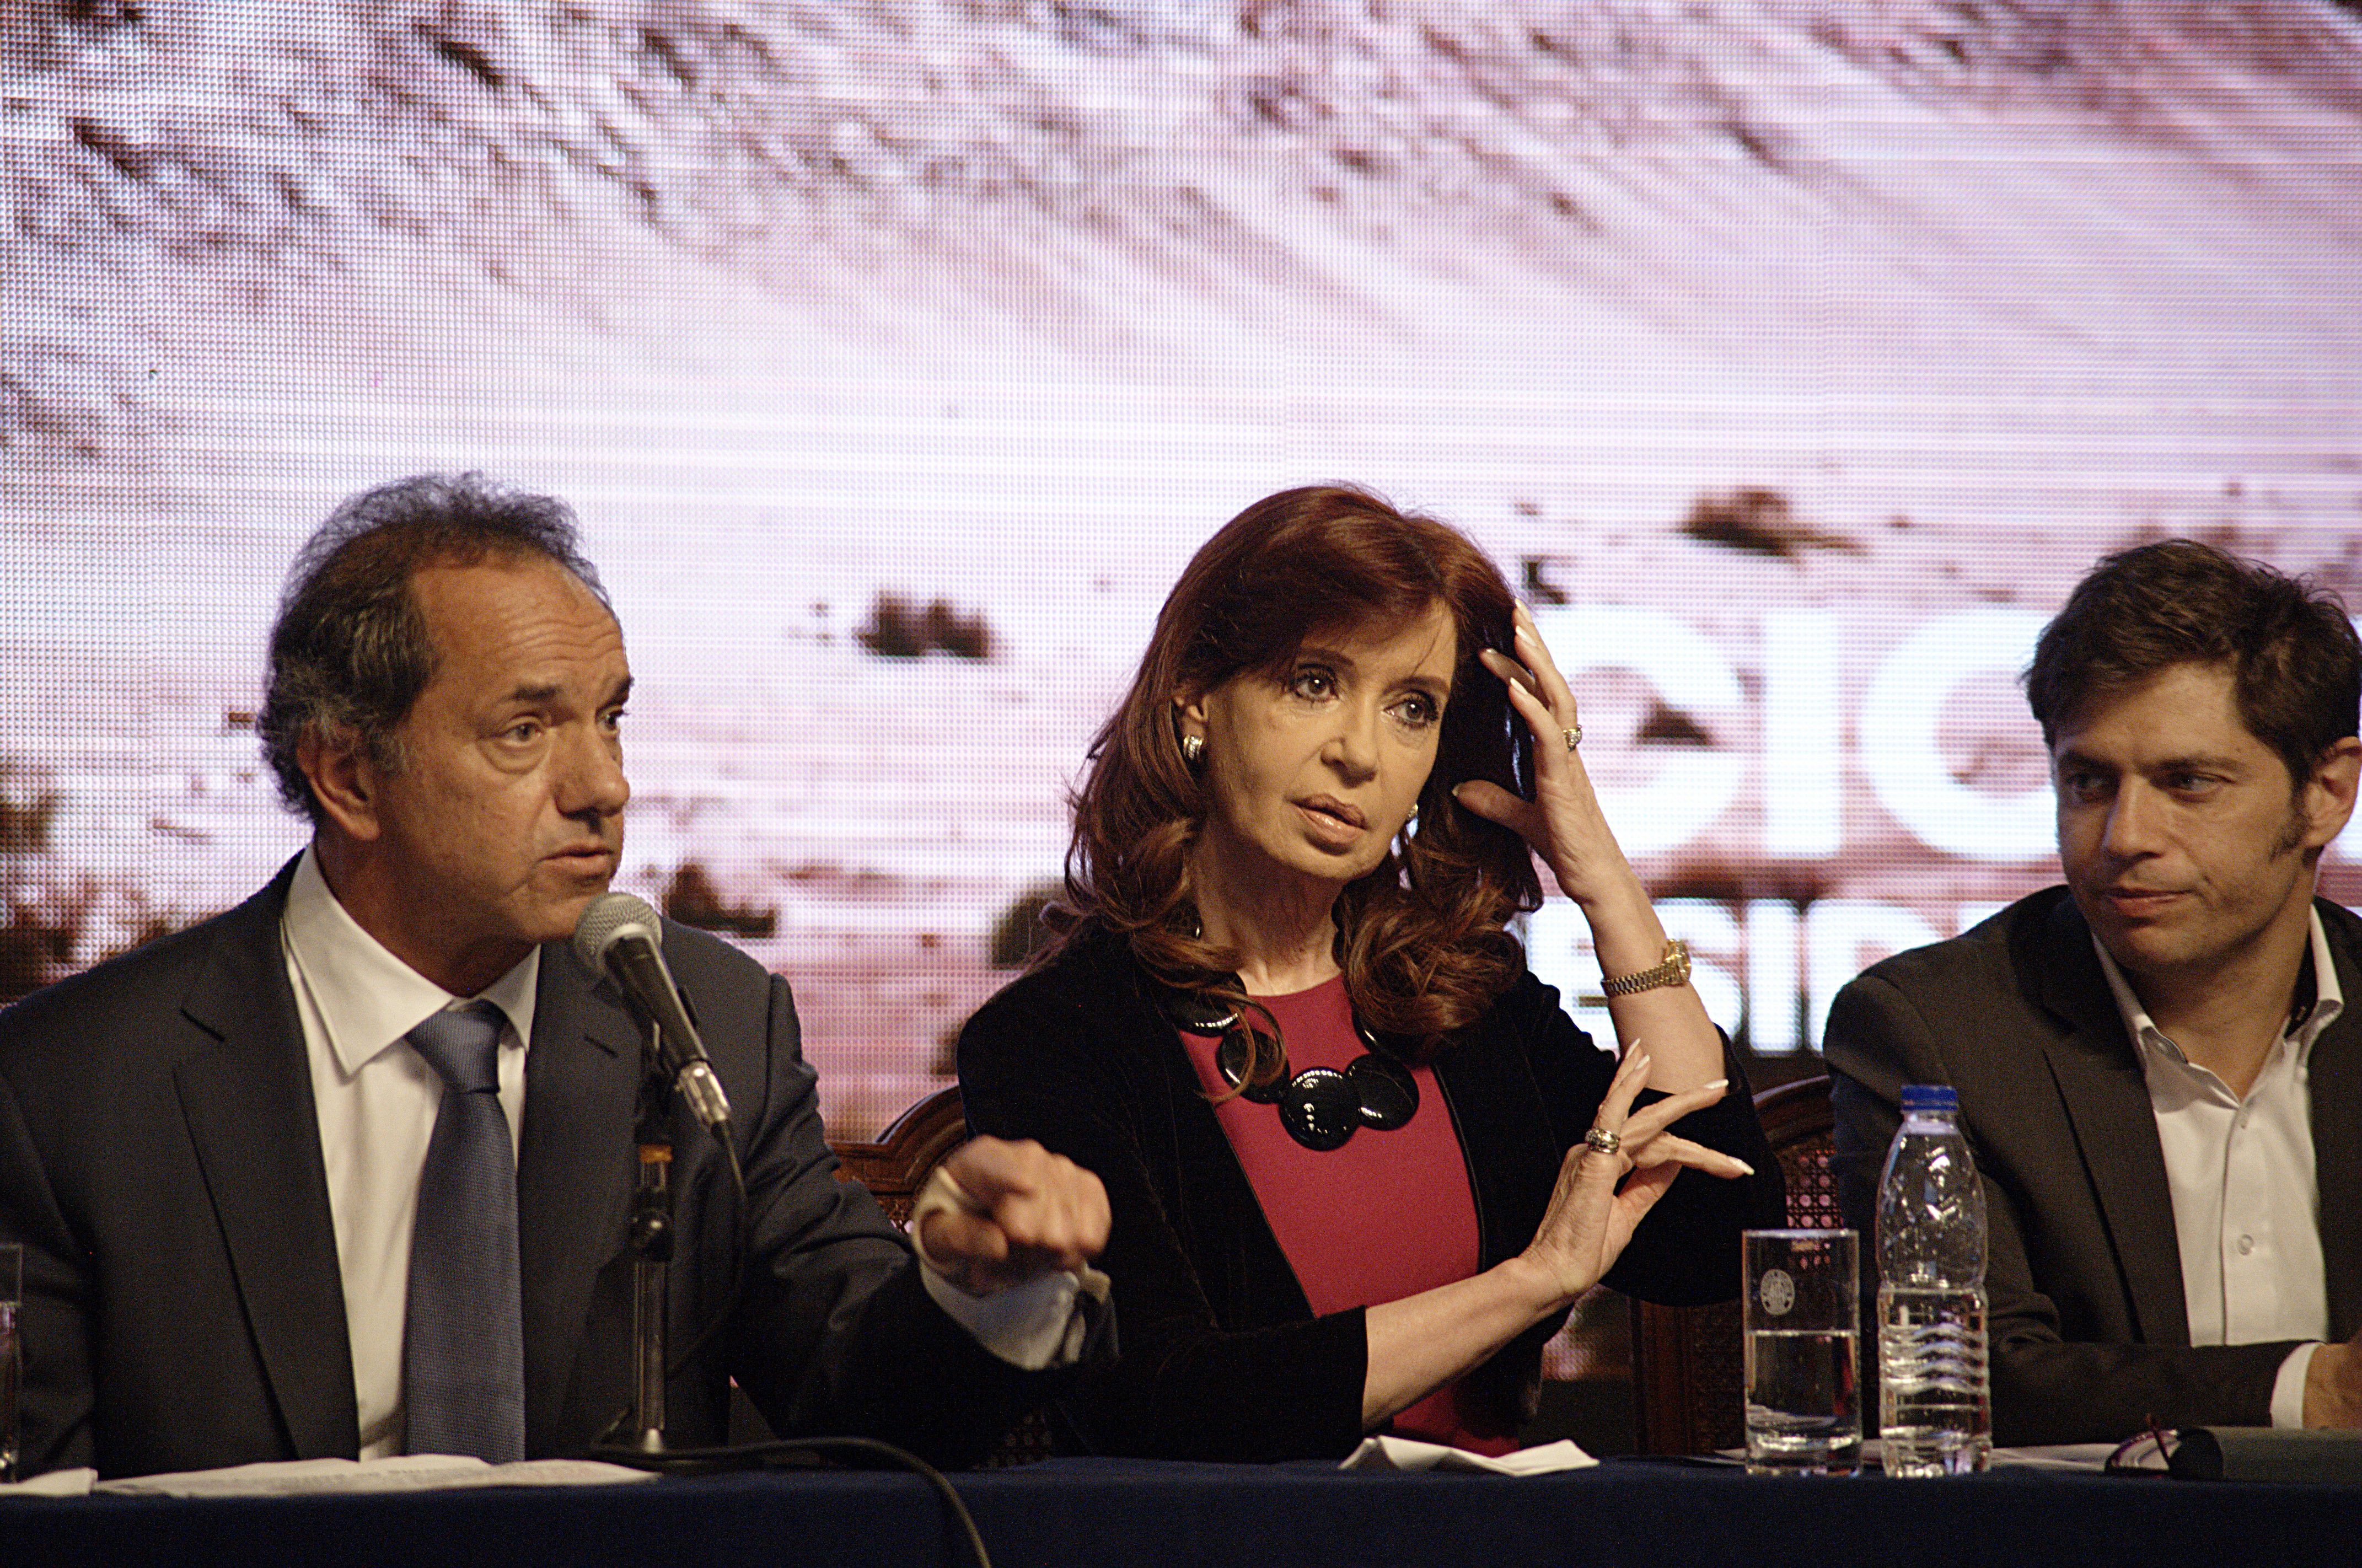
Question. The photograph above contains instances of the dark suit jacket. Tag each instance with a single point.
(1222, 1356)
(2089, 1330)
(160, 1159)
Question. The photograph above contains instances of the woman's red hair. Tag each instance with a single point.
(1423, 939)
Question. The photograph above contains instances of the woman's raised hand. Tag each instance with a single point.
(1562, 823)
(1590, 1217)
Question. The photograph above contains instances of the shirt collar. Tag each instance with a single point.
(2301, 1031)
(367, 998)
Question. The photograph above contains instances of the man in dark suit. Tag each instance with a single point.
(2157, 1064)
(265, 1215)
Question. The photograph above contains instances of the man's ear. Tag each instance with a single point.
(344, 781)
(2329, 793)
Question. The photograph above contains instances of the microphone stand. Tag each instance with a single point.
(651, 1244)
(650, 1235)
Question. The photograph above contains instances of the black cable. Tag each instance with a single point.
(709, 1461)
(740, 1248)
(706, 1460)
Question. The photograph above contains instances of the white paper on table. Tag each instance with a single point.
(2059, 1456)
(401, 1472)
(1403, 1453)
(56, 1483)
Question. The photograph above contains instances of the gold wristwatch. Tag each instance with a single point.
(1674, 969)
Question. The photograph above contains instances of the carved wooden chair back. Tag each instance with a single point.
(1687, 1361)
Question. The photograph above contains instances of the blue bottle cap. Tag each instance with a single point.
(1929, 1097)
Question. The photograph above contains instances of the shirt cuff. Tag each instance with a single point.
(2288, 1389)
(1041, 1323)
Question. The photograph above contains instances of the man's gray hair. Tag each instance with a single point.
(351, 651)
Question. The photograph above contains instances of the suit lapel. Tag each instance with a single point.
(2335, 1082)
(1511, 1155)
(247, 1104)
(2098, 1074)
(574, 1172)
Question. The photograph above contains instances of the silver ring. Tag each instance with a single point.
(1574, 734)
(1605, 1142)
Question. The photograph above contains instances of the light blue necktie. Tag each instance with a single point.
(463, 1346)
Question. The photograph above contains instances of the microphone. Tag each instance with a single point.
(621, 937)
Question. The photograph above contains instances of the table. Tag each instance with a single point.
(1138, 1513)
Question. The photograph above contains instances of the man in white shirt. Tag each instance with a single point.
(252, 1196)
(2156, 1066)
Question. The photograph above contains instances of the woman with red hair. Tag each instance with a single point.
(1359, 1161)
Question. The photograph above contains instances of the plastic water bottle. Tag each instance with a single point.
(1935, 1399)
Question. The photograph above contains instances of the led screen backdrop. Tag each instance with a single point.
(1794, 358)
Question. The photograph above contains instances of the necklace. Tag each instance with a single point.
(1321, 1107)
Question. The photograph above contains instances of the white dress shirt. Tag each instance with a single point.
(376, 1099)
(2245, 1201)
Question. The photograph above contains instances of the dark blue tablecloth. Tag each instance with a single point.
(1128, 1514)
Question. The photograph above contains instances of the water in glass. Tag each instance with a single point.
(1803, 1400)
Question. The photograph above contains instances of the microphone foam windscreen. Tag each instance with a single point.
(609, 914)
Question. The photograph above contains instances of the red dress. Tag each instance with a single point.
(1386, 1216)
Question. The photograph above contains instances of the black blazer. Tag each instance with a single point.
(1222, 1356)
(160, 1159)
(2089, 1330)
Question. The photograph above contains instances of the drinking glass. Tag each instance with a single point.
(1803, 1322)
